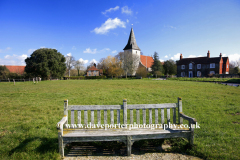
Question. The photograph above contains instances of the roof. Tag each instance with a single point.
(132, 44)
(201, 60)
(93, 68)
(16, 69)
(147, 61)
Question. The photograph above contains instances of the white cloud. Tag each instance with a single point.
(42, 47)
(200, 56)
(126, 10)
(69, 54)
(115, 51)
(127, 20)
(93, 61)
(110, 10)
(84, 61)
(161, 60)
(88, 50)
(74, 48)
(168, 26)
(94, 51)
(191, 56)
(176, 57)
(109, 24)
(234, 57)
(5, 50)
(166, 56)
(31, 51)
(14, 60)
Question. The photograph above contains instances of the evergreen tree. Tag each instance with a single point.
(157, 68)
(45, 63)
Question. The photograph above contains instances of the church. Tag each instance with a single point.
(132, 49)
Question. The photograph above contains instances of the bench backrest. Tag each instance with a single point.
(121, 111)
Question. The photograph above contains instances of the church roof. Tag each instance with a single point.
(147, 61)
(132, 44)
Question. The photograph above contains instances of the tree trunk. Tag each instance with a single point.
(69, 73)
(78, 72)
(126, 75)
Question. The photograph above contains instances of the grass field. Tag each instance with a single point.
(29, 113)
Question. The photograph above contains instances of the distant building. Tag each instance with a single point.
(133, 49)
(93, 71)
(202, 66)
(16, 69)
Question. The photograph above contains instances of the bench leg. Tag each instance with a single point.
(129, 145)
(60, 144)
(191, 138)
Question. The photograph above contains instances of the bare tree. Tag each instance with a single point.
(79, 65)
(70, 60)
(130, 63)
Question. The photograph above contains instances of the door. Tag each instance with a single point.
(190, 74)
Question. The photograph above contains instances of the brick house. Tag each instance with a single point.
(202, 66)
(93, 71)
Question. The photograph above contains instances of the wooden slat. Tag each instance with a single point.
(168, 115)
(150, 116)
(105, 116)
(99, 116)
(79, 117)
(112, 116)
(180, 119)
(92, 117)
(124, 111)
(131, 106)
(162, 115)
(156, 116)
(144, 116)
(85, 117)
(148, 106)
(138, 116)
(174, 115)
(94, 107)
(72, 117)
(131, 116)
(118, 116)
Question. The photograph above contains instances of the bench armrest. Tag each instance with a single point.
(190, 119)
(61, 123)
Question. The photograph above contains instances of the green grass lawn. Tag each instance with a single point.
(29, 113)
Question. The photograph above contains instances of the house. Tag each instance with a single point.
(202, 66)
(16, 69)
(132, 49)
(93, 71)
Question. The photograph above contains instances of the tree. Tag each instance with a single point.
(141, 72)
(112, 66)
(4, 72)
(79, 65)
(45, 63)
(157, 68)
(170, 67)
(130, 63)
(70, 61)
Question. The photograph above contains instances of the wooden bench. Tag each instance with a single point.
(118, 128)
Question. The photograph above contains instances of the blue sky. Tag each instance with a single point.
(91, 30)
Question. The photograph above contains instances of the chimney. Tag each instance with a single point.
(208, 54)
(220, 55)
(180, 56)
(94, 64)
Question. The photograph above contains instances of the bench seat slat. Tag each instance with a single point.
(94, 107)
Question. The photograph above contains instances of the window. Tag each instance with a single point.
(183, 66)
(212, 72)
(198, 66)
(199, 74)
(212, 65)
(182, 74)
(190, 65)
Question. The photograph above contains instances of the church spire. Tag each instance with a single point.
(132, 44)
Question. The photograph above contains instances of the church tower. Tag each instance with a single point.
(132, 49)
